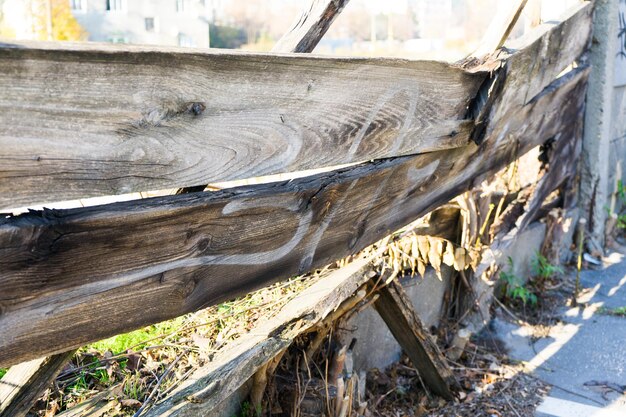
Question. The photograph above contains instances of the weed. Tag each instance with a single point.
(137, 338)
(133, 388)
(246, 410)
(543, 269)
(2, 372)
(514, 287)
(80, 386)
(618, 311)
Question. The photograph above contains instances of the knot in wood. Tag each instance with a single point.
(197, 108)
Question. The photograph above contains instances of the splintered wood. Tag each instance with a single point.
(141, 262)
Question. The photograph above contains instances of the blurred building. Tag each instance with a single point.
(162, 22)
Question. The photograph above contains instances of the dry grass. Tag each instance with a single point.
(141, 367)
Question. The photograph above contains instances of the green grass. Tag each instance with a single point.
(515, 288)
(137, 339)
(2, 372)
(618, 311)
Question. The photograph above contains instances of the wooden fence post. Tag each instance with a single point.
(24, 383)
(398, 313)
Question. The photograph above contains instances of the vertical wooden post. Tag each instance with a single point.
(398, 313)
(24, 383)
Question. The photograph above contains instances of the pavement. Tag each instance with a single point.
(583, 358)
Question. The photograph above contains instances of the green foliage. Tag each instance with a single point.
(619, 311)
(134, 388)
(137, 339)
(514, 287)
(543, 269)
(621, 195)
(227, 37)
(246, 410)
(2, 372)
(78, 387)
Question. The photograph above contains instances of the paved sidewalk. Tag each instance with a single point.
(584, 359)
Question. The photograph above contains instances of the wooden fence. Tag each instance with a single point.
(81, 120)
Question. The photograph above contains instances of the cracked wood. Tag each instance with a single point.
(140, 262)
(82, 120)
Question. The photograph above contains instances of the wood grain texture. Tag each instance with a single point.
(24, 383)
(561, 159)
(310, 27)
(140, 262)
(531, 63)
(214, 382)
(540, 56)
(398, 313)
(304, 35)
(81, 120)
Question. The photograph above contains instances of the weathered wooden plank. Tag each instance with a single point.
(311, 26)
(532, 63)
(24, 383)
(500, 27)
(561, 159)
(399, 315)
(544, 53)
(304, 35)
(80, 120)
(209, 385)
(140, 262)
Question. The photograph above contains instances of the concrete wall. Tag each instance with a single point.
(617, 145)
(604, 143)
(376, 347)
(594, 189)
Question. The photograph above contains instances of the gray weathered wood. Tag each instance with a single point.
(303, 36)
(399, 315)
(24, 383)
(500, 27)
(140, 262)
(209, 385)
(532, 63)
(80, 120)
(310, 27)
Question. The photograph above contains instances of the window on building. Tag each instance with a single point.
(180, 6)
(184, 40)
(116, 5)
(118, 39)
(78, 5)
(149, 24)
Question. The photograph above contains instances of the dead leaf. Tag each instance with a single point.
(424, 247)
(421, 267)
(130, 403)
(459, 259)
(434, 255)
(53, 407)
(134, 361)
(448, 255)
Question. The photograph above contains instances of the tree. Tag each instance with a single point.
(64, 25)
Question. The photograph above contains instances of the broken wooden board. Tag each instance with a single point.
(310, 27)
(24, 383)
(399, 315)
(214, 382)
(141, 262)
(531, 63)
(81, 120)
(500, 27)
